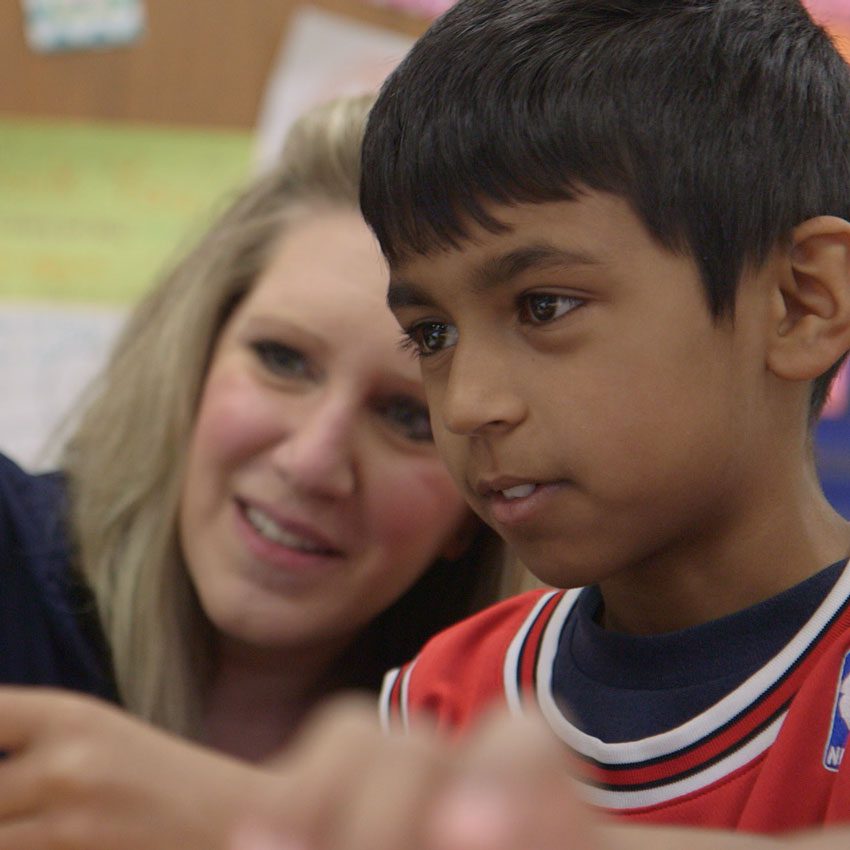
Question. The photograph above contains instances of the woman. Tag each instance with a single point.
(257, 513)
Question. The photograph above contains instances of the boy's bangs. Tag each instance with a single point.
(551, 118)
(723, 123)
(426, 182)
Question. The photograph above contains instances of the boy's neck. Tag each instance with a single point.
(788, 543)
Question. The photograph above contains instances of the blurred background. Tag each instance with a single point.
(125, 124)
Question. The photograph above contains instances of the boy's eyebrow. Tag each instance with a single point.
(507, 266)
(495, 271)
(403, 294)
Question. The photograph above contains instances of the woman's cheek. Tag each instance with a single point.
(230, 418)
(421, 499)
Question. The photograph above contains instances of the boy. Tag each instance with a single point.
(618, 240)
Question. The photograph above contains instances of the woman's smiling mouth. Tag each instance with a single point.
(272, 530)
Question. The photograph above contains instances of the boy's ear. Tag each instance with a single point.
(810, 321)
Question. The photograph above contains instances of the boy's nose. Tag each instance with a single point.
(317, 455)
(478, 395)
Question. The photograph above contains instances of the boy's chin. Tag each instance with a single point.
(553, 569)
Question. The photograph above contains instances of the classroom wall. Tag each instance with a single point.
(201, 62)
(135, 141)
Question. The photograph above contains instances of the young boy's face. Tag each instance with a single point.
(585, 401)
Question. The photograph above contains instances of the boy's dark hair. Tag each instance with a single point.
(724, 123)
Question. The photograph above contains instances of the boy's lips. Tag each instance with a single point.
(503, 485)
(512, 501)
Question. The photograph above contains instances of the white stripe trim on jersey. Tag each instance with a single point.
(510, 668)
(384, 697)
(612, 799)
(709, 721)
(404, 698)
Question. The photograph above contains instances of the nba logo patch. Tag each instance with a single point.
(837, 741)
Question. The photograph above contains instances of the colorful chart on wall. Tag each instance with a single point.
(89, 214)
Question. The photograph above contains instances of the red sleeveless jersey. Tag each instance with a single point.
(767, 757)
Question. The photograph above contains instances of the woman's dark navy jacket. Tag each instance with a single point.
(49, 632)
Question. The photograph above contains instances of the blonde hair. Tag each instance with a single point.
(125, 463)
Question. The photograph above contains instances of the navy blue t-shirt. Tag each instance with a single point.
(49, 630)
(620, 687)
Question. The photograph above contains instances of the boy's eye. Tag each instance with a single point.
(409, 416)
(539, 308)
(431, 337)
(281, 359)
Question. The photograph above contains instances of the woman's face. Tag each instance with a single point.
(313, 496)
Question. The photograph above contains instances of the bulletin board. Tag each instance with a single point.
(116, 154)
(113, 159)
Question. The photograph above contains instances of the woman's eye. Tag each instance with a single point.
(409, 416)
(428, 338)
(539, 308)
(281, 359)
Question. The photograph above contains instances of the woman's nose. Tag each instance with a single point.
(317, 453)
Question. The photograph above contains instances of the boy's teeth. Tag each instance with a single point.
(519, 492)
(266, 526)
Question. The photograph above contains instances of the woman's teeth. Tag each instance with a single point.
(519, 492)
(269, 529)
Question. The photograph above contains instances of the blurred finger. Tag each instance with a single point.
(387, 808)
(21, 786)
(317, 775)
(512, 790)
(26, 834)
(25, 713)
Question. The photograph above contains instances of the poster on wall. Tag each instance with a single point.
(322, 55)
(89, 214)
(422, 8)
(829, 12)
(56, 25)
(834, 16)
